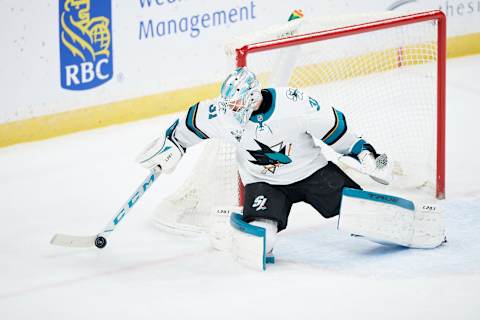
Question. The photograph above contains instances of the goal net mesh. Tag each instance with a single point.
(385, 82)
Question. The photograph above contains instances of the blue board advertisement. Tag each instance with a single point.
(85, 29)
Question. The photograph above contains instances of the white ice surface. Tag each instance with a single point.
(74, 184)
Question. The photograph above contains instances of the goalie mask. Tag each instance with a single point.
(240, 94)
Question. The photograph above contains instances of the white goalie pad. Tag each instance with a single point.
(248, 244)
(391, 220)
(220, 232)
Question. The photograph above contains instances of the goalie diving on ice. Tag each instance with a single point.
(273, 131)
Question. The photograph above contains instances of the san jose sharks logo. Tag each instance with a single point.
(294, 94)
(269, 158)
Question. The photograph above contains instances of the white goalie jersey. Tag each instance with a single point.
(276, 146)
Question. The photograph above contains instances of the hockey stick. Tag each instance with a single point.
(100, 240)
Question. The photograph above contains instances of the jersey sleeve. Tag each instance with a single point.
(330, 125)
(199, 123)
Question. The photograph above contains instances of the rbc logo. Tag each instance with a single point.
(85, 43)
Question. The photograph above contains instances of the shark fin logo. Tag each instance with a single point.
(85, 43)
(269, 158)
(294, 94)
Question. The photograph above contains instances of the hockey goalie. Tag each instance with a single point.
(273, 131)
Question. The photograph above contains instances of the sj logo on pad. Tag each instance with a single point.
(259, 203)
(85, 43)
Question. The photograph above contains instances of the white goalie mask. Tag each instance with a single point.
(240, 94)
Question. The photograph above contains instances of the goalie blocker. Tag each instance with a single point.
(391, 220)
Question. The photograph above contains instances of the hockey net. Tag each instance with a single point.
(385, 72)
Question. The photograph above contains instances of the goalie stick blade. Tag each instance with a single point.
(65, 240)
(99, 240)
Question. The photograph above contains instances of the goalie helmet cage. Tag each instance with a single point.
(385, 71)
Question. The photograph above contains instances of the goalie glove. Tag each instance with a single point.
(364, 159)
(164, 152)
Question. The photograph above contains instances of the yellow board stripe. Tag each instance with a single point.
(465, 45)
(44, 127)
(48, 126)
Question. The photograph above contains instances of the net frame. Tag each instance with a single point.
(245, 51)
(186, 202)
